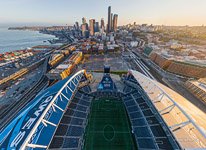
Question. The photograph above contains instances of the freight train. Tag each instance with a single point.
(8, 80)
(59, 55)
(65, 69)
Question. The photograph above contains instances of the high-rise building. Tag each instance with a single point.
(84, 20)
(77, 25)
(87, 26)
(84, 28)
(96, 27)
(109, 20)
(91, 26)
(102, 23)
(102, 26)
(115, 22)
(86, 33)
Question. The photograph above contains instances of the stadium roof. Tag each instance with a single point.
(186, 121)
(40, 117)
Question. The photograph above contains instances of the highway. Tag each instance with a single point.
(141, 65)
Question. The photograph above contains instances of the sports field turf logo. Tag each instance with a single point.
(109, 132)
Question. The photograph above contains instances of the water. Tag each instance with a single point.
(13, 39)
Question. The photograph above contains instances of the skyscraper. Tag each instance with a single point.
(86, 33)
(91, 26)
(96, 27)
(84, 28)
(102, 25)
(115, 22)
(87, 26)
(109, 20)
(77, 25)
(84, 20)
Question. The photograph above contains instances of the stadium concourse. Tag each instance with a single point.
(131, 112)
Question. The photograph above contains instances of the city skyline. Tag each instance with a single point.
(112, 74)
(67, 12)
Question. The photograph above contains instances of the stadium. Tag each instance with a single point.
(198, 88)
(106, 112)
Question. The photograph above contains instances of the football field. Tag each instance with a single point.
(108, 126)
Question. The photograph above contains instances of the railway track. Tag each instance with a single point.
(6, 82)
(12, 110)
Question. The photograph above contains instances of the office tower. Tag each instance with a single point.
(86, 33)
(87, 27)
(84, 28)
(84, 20)
(115, 22)
(96, 27)
(77, 25)
(102, 24)
(109, 20)
(91, 26)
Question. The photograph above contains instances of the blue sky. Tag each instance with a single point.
(61, 12)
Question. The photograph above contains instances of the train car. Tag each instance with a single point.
(61, 71)
(65, 69)
(59, 54)
(15, 76)
(65, 46)
(79, 58)
(76, 58)
(55, 60)
(66, 52)
(8, 80)
(20, 73)
(72, 48)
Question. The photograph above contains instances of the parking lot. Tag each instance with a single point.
(97, 62)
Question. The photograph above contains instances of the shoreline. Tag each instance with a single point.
(58, 33)
(24, 45)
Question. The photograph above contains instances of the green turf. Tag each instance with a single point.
(108, 127)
